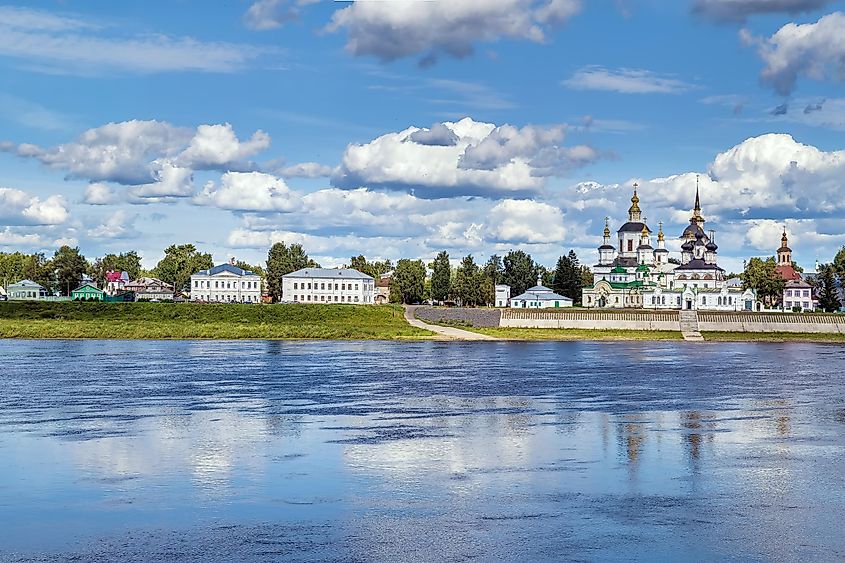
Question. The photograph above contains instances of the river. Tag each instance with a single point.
(432, 451)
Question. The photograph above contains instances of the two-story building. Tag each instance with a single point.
(226, 283)
(150, 289)
(321, 285)
(27, 290)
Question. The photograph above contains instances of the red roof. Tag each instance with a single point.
(112, 276)
(787, 272)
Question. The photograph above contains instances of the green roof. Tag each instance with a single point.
(642, 268)
(618, 270)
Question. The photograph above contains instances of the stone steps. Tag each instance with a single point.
(689, 326)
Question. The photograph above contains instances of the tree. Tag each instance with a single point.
(826, 283)
(255, 269)
(68, 266)
(282, 260)
(17, 266)
(180, 262)
(839, 264)
(587, 278)
(372, 269)
(441, 277)
(408, 282)
(761, 276)
(494, 269)
(468, 283)
(129, 262)
(568, 277)
(519, 272)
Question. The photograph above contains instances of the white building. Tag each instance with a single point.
(503, 295)
(26, 290)
(150, 289)
(540, 297)
(226, 283)
(321, 285)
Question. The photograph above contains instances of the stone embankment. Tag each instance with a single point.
(478, 318)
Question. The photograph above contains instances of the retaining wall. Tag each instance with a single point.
(669, 320)
(481, 318)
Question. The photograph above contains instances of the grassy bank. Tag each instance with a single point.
(146, 321)
(773, 337)
(576, 334)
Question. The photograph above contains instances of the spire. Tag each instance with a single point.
(696, 210)
(644, 232)
(607, 227)
(660, 236)
(784, 241)
(634, 211)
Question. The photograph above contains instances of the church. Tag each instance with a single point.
(636, 275)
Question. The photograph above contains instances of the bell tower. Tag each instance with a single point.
(784, 252)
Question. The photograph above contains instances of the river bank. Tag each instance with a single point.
(189, 321)
(567, 334)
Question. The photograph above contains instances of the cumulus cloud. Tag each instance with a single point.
(394, 30)
(11, 238)
(118, 225)
(250, 191)
(18, 207)
(437, 136)
(155, 159)
(812, 50)
(485, 160)
(97, 193)
(625, 81)
(526, 221)
(740, 10)
(272, 14)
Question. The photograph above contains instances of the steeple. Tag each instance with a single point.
(660, 236)
(784, 252)
(696, 210)
(634, 213)
(606, 230)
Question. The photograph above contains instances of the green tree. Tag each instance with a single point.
(17, 266)
(468, 280)
(761, 276)
(441, 277)
(408, 282)
(568, 279)
(282, 260)
(373, 269)
(587, 278)
(839, 264)
(519, 271)
(180, 262)
(129, 262)
(826, 284)
(494, 269)
(254, 268)
(67, 266)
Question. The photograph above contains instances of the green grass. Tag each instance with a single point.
(576, 334)
(774, 337)
(147, 321)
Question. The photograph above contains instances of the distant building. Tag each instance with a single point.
(540, 297)
(321, 285)
(116, 282)
(87, 292)
(503, 295)
(226, 283)
(382, 290)
(27, 290)
(150, 289)
(798, 292)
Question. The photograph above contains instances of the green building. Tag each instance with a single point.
(87, 292)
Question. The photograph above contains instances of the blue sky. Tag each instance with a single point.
(235, 125)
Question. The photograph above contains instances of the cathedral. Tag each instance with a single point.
(633, 274)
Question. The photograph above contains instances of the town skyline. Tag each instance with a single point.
(301, 122)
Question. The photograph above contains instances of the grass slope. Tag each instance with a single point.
(146, 321)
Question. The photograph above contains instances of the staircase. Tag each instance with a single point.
(689, 326)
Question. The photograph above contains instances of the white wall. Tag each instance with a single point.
(226, 287)
(328, 290)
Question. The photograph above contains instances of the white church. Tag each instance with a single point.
(634, 274)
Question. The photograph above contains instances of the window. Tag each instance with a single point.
(335, 288)
(322, 298)
(343, 287)
(356, 299)
(309, 286)
(630, 245)
(335, 297)
(322, 286)
(309, 298)
(294, 285)
(704, 301)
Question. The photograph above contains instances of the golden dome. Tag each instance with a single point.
(606, 227)
(635, 201)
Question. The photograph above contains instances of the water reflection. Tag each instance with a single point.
(412, 452)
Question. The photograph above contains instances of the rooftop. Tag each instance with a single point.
(226, 268)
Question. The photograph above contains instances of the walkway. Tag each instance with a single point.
(447, 331)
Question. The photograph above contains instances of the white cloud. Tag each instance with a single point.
(813, 50)
(97, 193)
(526, 221)
(8, 237)
(168, 181)
(272, 14)
(250, 191)
(394, 30)
(485, 160)
(216, 146)
(625, 81)
(739, 10)
(18, 207)
(119, 224)
(66, 44)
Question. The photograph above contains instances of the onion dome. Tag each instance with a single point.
(687, 245)
(711, 246)
(635, 202)
(606, 227)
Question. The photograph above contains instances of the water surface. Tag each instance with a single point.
(345, 451)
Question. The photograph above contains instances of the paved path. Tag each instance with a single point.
(447, 331)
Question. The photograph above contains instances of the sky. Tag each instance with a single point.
(397, 129)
